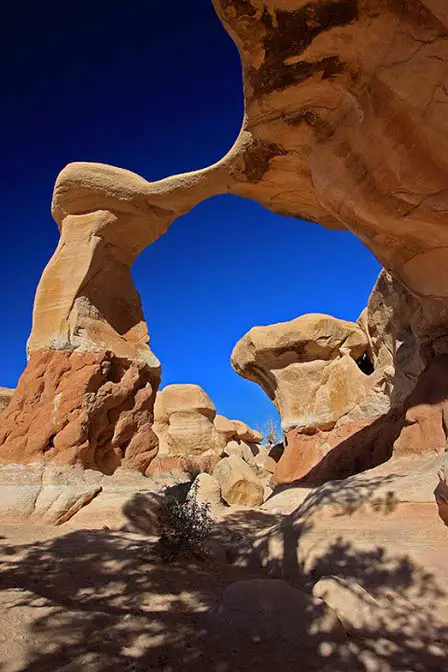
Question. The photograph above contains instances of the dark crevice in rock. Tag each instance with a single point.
(50, 443)
(238, 8)
(365, 364)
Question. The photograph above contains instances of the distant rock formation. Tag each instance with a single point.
(184, 417)
(186, 424)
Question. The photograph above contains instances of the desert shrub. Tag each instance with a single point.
(185, 525)
(272, 434)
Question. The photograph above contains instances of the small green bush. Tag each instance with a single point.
(185, 525)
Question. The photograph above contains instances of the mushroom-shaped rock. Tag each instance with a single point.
(307, 367)
(239, 485)
(187, 425)
(184, 416)
(313, 368)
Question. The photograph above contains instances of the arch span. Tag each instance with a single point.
(345, 125)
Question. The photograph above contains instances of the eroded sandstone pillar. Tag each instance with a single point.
(353, 395)
(88, 392)
(318, 373)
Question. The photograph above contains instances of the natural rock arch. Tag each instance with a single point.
(345, 124)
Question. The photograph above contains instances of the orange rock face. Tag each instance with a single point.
(88, 391)
(93, 409)
(418, 428)
(326, 456)
(340, 419)
(346, 122)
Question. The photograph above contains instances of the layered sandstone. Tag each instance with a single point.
(317, 371)
(345, 122)
(186, 424)
(45, 495)
(184, 417)
(53, 494)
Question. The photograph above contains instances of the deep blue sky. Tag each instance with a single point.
(155, 88)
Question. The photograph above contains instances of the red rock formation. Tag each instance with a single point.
(88, 408)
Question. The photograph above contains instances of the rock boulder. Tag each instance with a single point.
(184, 417)
(318, 373)
(239, 484)
(206, 489)
(270, 609)
(186, 424)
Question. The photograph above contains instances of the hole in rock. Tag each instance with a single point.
(365, 364)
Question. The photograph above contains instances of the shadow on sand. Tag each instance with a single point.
(103, 600)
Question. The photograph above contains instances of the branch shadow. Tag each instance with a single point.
(103, 600)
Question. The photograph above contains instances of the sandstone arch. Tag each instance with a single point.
(345, 124)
